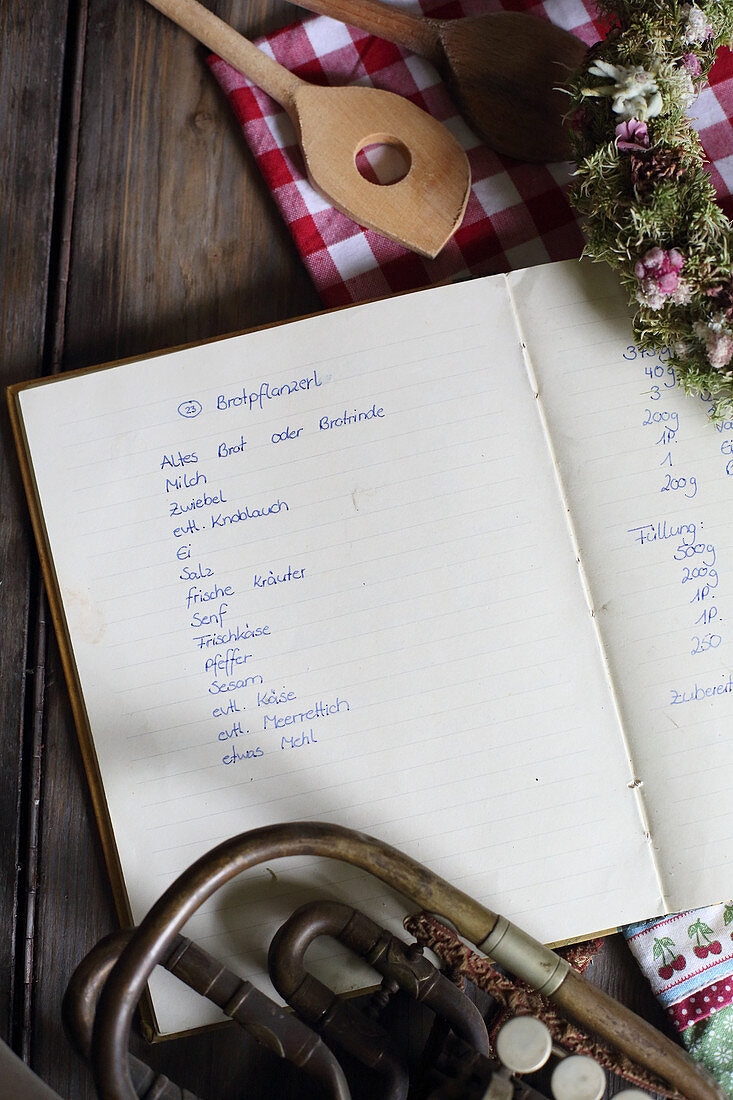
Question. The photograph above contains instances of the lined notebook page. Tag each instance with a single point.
(649, 481)
(324, 572)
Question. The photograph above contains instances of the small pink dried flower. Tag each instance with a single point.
(692, 64)
(632, 136)
(658, 272)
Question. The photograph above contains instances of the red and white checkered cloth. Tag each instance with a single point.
(518, 214)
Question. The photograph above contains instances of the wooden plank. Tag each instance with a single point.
(74, 906)
(31, 63)
(179, 239)
(616, 971)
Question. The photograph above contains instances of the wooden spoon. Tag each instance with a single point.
(504, 68)
(420, 211)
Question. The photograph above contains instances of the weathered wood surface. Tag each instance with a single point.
(151, 228)
(31, 61)
(175, 236)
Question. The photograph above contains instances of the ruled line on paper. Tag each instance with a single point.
(374, 632)
(698, 746)
(478, 421)
(326, 523)
(373, 512)
(498, 845)
(138, 617)
(405, 818)
(263, 429)
(397, 649)
(513, 597)
(235, 380)
(541, 688)
(420, 742)
(421, 360)
(362, 469)
(507, 818)
(527, 593)
(552, 758)
(316, 790)
(331, 618)
(447, 591)
(524, 717)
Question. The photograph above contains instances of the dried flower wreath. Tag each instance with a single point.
(649, 205)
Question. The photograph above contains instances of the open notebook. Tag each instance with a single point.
(455, 569)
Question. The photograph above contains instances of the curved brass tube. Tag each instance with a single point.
(79, 1006)
(275, 1028)
(507, 945)
(387, 954)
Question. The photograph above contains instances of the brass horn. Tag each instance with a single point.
(492, 934)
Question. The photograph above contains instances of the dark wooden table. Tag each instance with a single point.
(131, 218)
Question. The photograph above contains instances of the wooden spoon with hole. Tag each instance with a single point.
(503, 68)
(420, 211)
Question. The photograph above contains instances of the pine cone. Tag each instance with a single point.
(650, 167)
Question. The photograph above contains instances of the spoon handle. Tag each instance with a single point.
(417, 33)
(213, 32)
